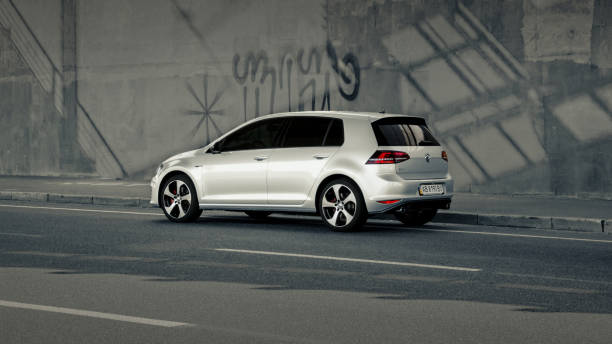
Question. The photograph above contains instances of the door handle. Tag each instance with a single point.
(320, 156)
(260, 158)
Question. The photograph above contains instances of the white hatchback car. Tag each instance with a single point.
(344, 166)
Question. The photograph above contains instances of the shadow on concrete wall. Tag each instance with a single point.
(506, 132)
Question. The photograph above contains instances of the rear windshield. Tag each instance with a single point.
(398, 131)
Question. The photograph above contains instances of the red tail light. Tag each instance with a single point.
(388, 157)
(444, 156)
(391, 201)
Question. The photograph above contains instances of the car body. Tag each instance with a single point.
(281, 163)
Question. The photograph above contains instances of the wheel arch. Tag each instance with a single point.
(330, 178)
(171, 174)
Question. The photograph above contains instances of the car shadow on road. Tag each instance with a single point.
(300, 223)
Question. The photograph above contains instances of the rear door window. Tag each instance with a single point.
(306, 131)
(335, 134)
(398, 131)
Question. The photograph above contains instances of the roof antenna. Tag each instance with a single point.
(383, 111)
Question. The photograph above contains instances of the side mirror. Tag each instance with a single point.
(215, 149)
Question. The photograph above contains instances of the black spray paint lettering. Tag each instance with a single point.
(252, 63)
(259, 68)
(348, 70)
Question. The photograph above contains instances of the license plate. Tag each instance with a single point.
(431, 189)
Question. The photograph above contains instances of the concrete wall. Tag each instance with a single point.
(30, 132)
(519, 91)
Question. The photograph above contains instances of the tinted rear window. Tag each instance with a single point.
(335, 134)
(306, 131)
(397, 131)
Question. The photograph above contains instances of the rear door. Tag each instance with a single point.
(307, 145)
(411, 135)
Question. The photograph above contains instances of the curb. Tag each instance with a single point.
(456, 217)
(540, 222)
(75, 199)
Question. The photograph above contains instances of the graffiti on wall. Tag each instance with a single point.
(207, 109)
(302, 78)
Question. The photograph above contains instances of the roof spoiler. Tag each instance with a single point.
(401, 120)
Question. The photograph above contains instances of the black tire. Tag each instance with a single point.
(335, 198)
(173, 200)
(417, 217)
(258, 215)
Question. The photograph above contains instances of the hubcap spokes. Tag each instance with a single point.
(339, 205)
(177, 199)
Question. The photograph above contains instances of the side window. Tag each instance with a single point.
(335, 134)
(259, 135)
(306, 132)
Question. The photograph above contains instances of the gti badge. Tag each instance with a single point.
(427, 157)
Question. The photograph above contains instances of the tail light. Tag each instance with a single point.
(391, 201)
(444, 156)
(388, 157)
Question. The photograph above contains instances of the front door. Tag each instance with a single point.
(236, 173)
(237, 177)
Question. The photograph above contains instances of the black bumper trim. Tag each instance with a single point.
(438, 203)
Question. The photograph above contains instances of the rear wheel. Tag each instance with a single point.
(417, 217)
(341, 205)
(179, 200)
(259, 215)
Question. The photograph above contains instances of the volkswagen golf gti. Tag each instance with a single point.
(344, 166)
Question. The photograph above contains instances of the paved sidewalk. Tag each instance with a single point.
(77, 186)
(521, 211)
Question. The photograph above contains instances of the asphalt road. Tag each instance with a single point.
(100, 275)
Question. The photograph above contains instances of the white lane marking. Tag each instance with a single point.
(43, 254)
(513, 235)
(80, 209)
(356, 260)
(105, 183)
(23, 235)
(92, 314)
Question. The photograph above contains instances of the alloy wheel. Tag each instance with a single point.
(177, 199)
(339, 205)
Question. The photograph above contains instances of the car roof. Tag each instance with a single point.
(339, 114)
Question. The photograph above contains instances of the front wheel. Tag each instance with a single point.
(417, 217)
(341, 205)
(179, 199)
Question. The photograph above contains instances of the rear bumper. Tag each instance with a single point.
(392, 187)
